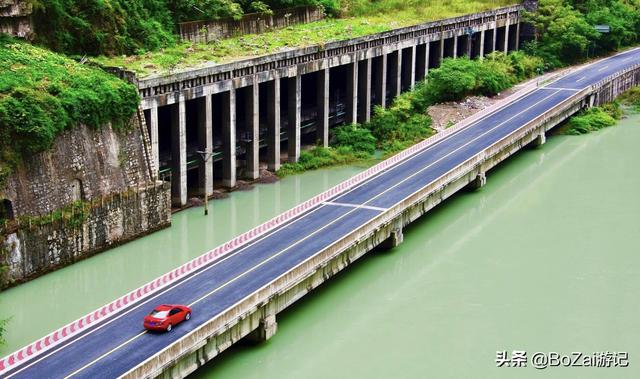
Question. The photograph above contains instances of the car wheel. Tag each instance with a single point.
(169, 327)
(187, 316)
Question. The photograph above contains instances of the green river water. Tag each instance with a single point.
(545, 258)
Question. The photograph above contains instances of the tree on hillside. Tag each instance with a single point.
(563, 35)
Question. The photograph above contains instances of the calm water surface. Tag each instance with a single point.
(546, 257)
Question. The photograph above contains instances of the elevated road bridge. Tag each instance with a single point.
(237, 289)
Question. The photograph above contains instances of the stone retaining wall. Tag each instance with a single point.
(253, 23)
(40, 245)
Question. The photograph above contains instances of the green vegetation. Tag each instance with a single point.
(631, 98)
(3, 330)
(113, 27)
(593, 119)
(456, 79)
(359, 18)
(42, 93)
(403, 123)
(566, 33)
(322, 157)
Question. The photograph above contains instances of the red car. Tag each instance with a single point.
(166, 316)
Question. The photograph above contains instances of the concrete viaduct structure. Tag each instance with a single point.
(246, 112)
(237, 289)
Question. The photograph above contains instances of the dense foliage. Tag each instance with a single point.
(114, 27)
(631, 98)
(3, 329)
(566, 29)
(42, 93)
(593, 119)
(404, 122)
(457, 78)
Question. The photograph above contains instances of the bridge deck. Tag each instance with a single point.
(119, 343)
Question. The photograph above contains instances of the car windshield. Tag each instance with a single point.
(159, 314)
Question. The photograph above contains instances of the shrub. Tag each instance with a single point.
(590, 120)
(355, 137)
(453, 80)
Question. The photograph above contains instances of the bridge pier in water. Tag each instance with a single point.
(248, 113)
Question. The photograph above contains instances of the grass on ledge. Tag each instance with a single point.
(383, 16)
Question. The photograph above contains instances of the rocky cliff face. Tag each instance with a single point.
(84, 164)
(15, 17)
(105, 175)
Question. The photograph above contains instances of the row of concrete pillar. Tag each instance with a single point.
(369, 82)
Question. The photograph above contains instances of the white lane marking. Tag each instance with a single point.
(104, 355)
(603, 68)
(294, 244)
(355, 206)
(561, 89)
(581, 79)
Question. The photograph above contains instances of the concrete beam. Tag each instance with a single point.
(380, 81)
(352, 93)
(364, 91)
(153, 134)
(322, 98)
(179, 154)
(252, 107)
(205, 143)
(294, 104)
(273, 127)
(229, 138)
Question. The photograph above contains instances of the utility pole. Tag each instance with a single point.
(205, 155)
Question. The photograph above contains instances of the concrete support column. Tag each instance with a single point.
(205, 143)
(395, 239)
(153, 134)
(322, 98)
(229, 138)
(267, 329)
(253, 126)
(455, 45)
(495, 34)
(482, 36)
(412, 67)
(479, 181)
(442, 39)
(273, 124)
(380, 81)
(506, 37)
(540, 140)
(179, 154)
(294, 104)
(469, 45)
(518, 35)
(352, 93)
(364, 91)
(427, 59)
